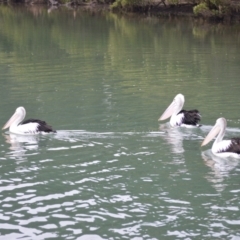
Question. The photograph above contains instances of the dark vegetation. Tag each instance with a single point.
(220, 10)
(210, 9)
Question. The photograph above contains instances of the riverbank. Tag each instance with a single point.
(229, 13)
(222, 11)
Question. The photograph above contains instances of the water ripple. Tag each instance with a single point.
(125, 184)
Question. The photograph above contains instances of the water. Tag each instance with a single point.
(112, 171)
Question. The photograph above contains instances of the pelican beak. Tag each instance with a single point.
(10, 121)
(214, 131)
(168, 112)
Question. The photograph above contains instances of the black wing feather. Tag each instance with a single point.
(235, 146)
(191, 117)
(42, 125)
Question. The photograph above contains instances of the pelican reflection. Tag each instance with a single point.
(20, 144)
(175, 138)
(220, 168)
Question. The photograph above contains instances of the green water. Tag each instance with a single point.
(112, 171)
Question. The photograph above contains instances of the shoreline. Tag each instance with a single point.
(186, 9)
(155, 9)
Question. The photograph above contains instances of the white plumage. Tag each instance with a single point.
(27, 127)
(220, 147)
(181, 117)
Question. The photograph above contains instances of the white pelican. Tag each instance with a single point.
(27, 127)
(220, 147)
(181, 117)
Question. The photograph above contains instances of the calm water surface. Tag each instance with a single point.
(112, 171)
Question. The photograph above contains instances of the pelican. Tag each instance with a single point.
(27, 127)
(181, 117)
(220, 147)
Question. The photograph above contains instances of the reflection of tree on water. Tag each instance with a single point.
(220, 167)
(20, 144)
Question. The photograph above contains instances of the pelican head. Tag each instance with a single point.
(174, 108)
(218, 128)
(16, 118)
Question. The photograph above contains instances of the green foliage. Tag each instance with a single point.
(128, 3)
(212, 8)
(116, 4)
(219, 2)
(200, 8)
(173, 2)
